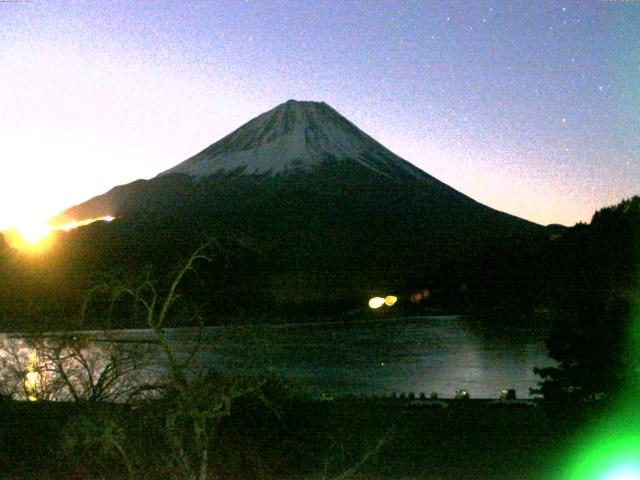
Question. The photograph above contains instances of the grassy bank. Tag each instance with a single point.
(299, 439)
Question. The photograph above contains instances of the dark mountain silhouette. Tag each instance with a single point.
(329, 215)
(302, 178)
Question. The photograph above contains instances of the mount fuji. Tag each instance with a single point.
(296, 136)
(297, 139)
(328, 211)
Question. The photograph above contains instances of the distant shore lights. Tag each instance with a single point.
(377, 302)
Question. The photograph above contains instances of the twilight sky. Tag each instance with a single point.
(532, 108)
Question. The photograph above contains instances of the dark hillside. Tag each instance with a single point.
(313, 243)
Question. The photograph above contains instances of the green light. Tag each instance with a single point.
(610, 457)
(610, 449)
(630, 471)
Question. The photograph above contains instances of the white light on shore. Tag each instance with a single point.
(376, 302)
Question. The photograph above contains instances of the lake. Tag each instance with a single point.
(401, 355)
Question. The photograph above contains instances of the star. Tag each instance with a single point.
(564, 120)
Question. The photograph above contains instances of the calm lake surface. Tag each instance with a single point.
(417, 354)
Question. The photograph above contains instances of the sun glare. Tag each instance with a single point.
(31, 237)
(33, 233)
(36, 237)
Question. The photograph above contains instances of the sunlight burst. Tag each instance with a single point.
(34, 232)
(37, 236)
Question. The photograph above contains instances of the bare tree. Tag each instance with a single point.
(196, 400)
(188, 402)
(20, 372)
(69, 367)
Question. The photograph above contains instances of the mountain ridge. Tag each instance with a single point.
(287, 123)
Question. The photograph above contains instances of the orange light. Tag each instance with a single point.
(31, 238)
(390, 300)
(34, 232)
(81, 223)
(37, 237)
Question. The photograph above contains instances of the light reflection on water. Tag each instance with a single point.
(420, 354)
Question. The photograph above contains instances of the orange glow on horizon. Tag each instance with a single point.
(81, 223)
(37, 237)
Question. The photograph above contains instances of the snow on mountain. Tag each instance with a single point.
(295, 136)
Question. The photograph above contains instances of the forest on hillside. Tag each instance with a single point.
(545, 273)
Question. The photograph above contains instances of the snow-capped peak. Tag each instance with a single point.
(294, 136)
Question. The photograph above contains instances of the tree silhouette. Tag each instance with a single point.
(596, 289)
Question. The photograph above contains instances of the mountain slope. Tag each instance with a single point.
(330, 214)
(305, 142)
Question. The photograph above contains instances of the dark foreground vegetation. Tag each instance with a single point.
(255, 280)
(203, 426)
(293, 438)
